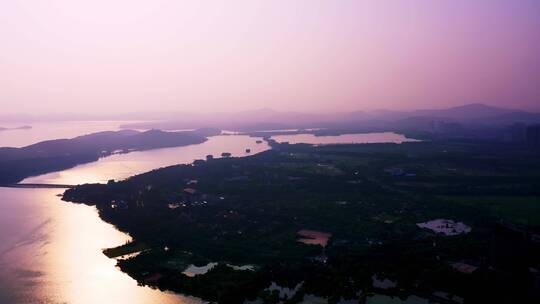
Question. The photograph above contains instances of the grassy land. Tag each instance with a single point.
(369, 197)
(522, 210)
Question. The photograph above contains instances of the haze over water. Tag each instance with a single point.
(41, 131)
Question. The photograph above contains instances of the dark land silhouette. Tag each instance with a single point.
(376, 204)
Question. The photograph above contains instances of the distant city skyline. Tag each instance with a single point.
(120, 56)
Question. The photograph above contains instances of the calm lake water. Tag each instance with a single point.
(50, 252)
(365, 138)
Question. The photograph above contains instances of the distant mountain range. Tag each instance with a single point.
(473, 113)
(266, 119)
(476, 114)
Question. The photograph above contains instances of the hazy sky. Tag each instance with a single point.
(314, 55)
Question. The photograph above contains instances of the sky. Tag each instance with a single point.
(115, 56)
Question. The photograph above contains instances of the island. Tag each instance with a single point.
(443, 221)
(25, 127)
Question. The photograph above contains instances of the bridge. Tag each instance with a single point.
(37, 186)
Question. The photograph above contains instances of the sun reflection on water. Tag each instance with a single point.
(55, 254)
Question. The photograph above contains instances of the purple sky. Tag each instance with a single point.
(302, 55)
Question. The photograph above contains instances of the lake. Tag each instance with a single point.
(360, 138)
(50, 252)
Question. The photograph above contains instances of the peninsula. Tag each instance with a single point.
(54, 155)
(333, 222)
